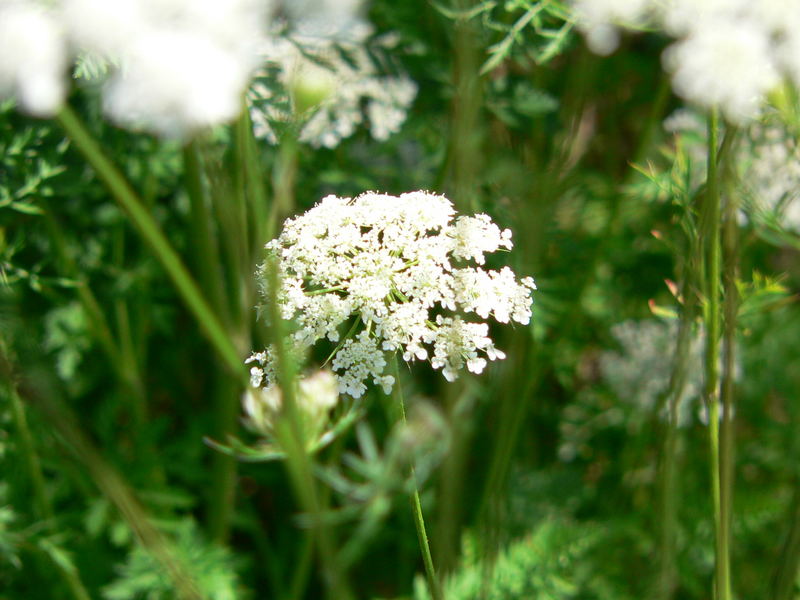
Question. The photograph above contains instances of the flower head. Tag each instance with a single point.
(316, 396)
(32, 57)
(729, 66)
(728, 54)
(354, 90)
(393, 271)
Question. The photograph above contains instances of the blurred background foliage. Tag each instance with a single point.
(549, 484)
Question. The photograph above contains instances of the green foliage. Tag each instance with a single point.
(212, 567)
(538, 479)
(559, 560)
(9, 537)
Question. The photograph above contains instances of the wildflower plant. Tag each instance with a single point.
(394, 271)
(327, 87)
(316, 398)
(728, 55)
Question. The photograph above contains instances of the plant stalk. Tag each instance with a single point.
(290, 435)
(153, 236)
(710, 232)
(730, 246)
(416, 506)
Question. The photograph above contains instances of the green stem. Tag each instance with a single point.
(284, 181)
(222, 496)
(226, 388)
(785, 574)
(43, 509)
(730, 243)
(256, 193)
(416, 506)
(290, 435)
(711, 238)
(289, 431)
(41, 502)
(153, 236)
(668, 481)
(209, 269)
(302, 569)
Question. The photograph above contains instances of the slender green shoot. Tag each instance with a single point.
(416, 506)
(153, 236)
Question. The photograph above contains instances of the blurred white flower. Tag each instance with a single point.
(104, 28)
(599, 20)
(770, 163)
(728, 53)
(316, 396)
(767, 162)
(174, 83)
(640, 372)
(729, 66)
(180, 65)
(33, 57)
(381, 264)
(355, 90)
(787, 36)
(680, 17)
(333, 19)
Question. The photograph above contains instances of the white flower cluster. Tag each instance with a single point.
(179, 65)
(316, 396)
(393, 270)
(728, 53)
(599, 20)
(347, 88)
(767, 161)
(640, 372)
(32, 57)
(770, 163)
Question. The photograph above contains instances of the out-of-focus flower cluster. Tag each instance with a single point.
(177, 65)
(315, 397)
(767, 161)
(728, 53)
(390, 269)
(640, 371)
(332, 84)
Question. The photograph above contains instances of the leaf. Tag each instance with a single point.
(761, 295)
(26, 208)
(210, 566)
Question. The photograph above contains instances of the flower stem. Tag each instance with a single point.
(668, 482)
(41, 503)
(730, 310)
(710, 232)
(153, 236)
(43, 509)
(292, 440)
(416, 505)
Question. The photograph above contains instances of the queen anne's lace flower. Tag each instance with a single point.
(389, 270)
(347, 89)
(640, 371)
(728, 54)
(315, 397)
(767, 162)
(32, 57)
(183, 64)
